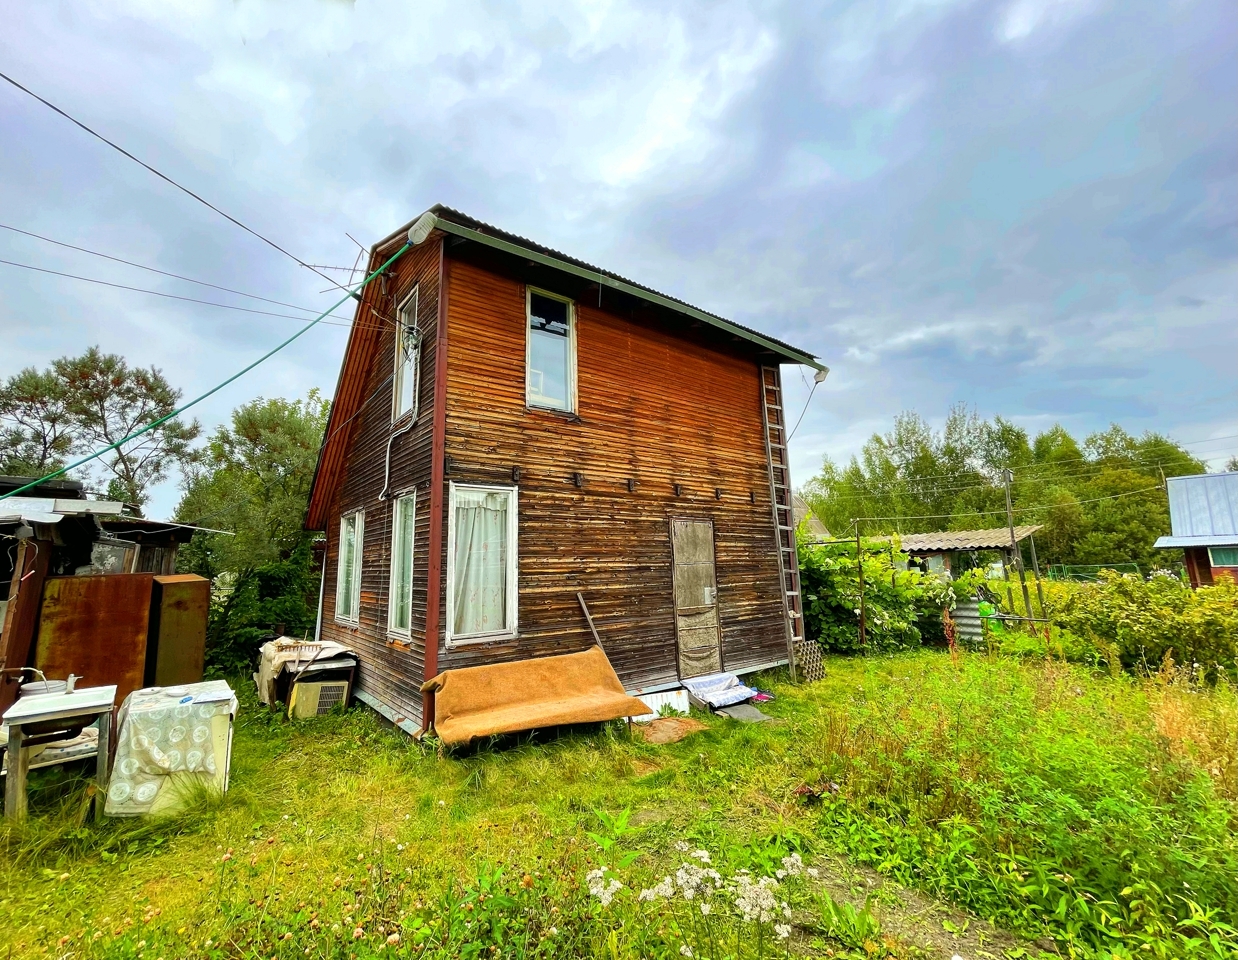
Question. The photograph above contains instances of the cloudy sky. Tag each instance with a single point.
(1030, 206)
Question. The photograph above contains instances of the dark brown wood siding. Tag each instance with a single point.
(392, 669)
(657, 407)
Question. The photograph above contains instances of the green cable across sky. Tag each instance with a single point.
(215, 389)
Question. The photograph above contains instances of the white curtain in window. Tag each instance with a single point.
(479, 599)
(402, 564)
(348, 574)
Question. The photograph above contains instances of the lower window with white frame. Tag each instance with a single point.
(481, 563)
(400, 591)
(348, 570)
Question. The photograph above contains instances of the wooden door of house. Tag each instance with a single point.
(696, 597)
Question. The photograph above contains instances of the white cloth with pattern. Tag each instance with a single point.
(170, 739)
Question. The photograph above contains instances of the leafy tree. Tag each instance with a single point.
(1098, 499)
(108, 400)
(81, 404)
(1232, 464)
(254, 481)
(36, 435)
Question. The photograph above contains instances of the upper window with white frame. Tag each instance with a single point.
(348, 569)
(481, 563)
(407, 358)
(1223, 556)
(550, 374)
(400, 597)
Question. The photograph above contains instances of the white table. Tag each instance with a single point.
(82, 707)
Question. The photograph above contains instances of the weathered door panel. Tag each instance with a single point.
(696, 597)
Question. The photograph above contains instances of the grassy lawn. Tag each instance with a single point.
(1081, 813)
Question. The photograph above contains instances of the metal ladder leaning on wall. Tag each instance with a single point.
(805, 658)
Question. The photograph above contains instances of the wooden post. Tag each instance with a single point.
(859, 564)
(1040, 590)
(15, 781)
(1014, 547)
(103, 762)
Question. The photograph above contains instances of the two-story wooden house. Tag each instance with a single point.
(513, 427)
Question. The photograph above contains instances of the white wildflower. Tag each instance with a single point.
(783, 930)
(685, 950)
(682, 847)
(602, 888)
(813, 872)
(705, 908)
(702, 855)
(660, 891)
(780, 874)
(693, 880)
(755, 901)
(793, 865)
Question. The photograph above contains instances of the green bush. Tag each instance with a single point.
(280, 595)
(902, 608)
(1141, 622)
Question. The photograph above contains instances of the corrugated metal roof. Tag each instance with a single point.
(1205, 505)
(1215, 540)
(48, 510)
(995, 539)
(792, 354)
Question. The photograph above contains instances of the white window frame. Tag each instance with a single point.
(528, 350)
(396, 501)
(406, 319)
(513, 566)
(354, 588)
(1212, 560)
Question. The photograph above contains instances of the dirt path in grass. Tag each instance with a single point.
(937, 929)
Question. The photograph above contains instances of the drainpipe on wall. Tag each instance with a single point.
(438, 455)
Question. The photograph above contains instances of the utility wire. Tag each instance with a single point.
(912, 488)
(173, 296)
(790, 436)
(1043, 472)
(985, 513)
(166, 178)
(1042, 468)
(236, 376)
(327, 438)
(165, 273)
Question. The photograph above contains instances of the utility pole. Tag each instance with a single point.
(1008, 476)
(859, 563)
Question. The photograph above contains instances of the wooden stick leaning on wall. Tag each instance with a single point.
(589, 619)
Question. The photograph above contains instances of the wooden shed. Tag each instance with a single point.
(513, 427)
(1203, 516)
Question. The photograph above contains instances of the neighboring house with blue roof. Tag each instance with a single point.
(1203, 514)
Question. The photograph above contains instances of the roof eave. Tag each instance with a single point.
(788, 353)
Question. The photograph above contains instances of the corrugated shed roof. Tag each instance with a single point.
(801, 513)
(793, 354)
(995, 539)
(1204, 508)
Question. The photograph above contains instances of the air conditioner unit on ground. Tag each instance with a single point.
(315, 699)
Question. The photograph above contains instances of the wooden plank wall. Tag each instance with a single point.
(658, 408)
(391, 670)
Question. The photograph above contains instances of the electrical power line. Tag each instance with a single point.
(1041, 472)
(166, 178)
(215, 389)
(910, 488)
(298, 462)
(173, 296)
(164, 273)
(986, 513)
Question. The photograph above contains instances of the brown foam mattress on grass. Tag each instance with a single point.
(528, 695)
